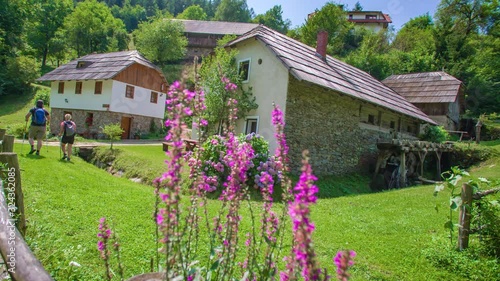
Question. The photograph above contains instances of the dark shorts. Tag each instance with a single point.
(67, 139)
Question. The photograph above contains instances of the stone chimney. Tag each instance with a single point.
(322, 41)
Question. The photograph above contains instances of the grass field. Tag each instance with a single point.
(397, 234)
(393, 232)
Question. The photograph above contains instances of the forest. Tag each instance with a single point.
(462, 38)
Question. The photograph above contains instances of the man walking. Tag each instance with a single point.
(39, 120)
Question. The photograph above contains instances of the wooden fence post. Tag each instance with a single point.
(21, 264)
(464, 217)
(2, 133)
(12, 179)
(8, 143)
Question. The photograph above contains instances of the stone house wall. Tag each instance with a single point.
(329, 125)
(140, 124)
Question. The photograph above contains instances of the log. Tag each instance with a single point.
(21, 264)
(464, 217)
(12, 179)
(8, 143)
(424, 180)
(481, 194)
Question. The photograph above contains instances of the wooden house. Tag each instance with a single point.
(202, 36)
(333, 109)
(372, 20)
(437, 94)
(101, 89)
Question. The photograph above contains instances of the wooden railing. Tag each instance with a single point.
(21, 264)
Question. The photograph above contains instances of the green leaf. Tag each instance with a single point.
(438, 188)
(448, 225)
(455, 202)
(436, 207)
(216, 264)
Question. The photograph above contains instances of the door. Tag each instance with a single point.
(126, 124)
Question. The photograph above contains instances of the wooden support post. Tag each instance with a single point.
(21, 264)
(439, 153)
(464, 217)
(8, 143)
(421, 156)
(402, 170)
(2, 133)
(12, 184)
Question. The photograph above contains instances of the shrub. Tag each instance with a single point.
(466, 155)
(17, 130)
(113, 132)
(43, 94)
(215, 148)
(435, 134)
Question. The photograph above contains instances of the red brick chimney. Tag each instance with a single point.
(321, 44)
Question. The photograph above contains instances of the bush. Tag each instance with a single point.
(466, 155)
(17, 130)
(214, 150)
(113, 132)
(486, 221)
(435, 134)
(43, 94)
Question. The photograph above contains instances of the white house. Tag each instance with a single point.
(100, 89)
(334, 110)
(373, 20)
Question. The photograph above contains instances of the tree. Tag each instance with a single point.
(331, 18)
(130, 15)
(233, 11)
(161, 40)
(41, 31)
(358, 7)
(273, 18)
(92, 28)
(194, 12)
(113, 131)
(222, 64)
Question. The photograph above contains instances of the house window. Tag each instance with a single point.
(60, 89)
(129, 92)
(244, 70)
(393, 125)
(98, 88)
(371, 119)
(350, 17)
(80, 64)
(251, 125)
(89, 120)
(371, 17)
(78, 88)
(154, 97)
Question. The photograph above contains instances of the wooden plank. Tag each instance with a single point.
(12, 177)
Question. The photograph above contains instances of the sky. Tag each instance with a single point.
(400, 11)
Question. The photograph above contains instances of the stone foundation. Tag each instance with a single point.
(140, 124)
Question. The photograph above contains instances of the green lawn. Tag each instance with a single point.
(14, 109)
(391, 231)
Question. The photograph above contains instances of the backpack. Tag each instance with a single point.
(39, 116)
(69, 128)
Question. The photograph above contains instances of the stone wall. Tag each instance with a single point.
(328, 125)
(139, 124)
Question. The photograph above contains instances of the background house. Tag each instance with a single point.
(437, 94)
(203, 35)
(334, 110)
(373, 20)
(101, 89)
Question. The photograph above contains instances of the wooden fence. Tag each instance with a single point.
(21, 264)
(465, 213)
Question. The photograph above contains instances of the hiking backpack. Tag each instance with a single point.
(69, 128)
(39, 116)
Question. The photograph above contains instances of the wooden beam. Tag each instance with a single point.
(402, 170)
(8, 144)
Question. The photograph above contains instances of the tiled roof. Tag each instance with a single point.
(426, 87)
(304, 64)
(217, 27)
(97, 66)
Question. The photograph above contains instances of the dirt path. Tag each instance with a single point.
(100, 143)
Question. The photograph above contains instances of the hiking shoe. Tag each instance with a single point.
(64, 157)
(67, 158)
(38, 153)
(32, 151)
